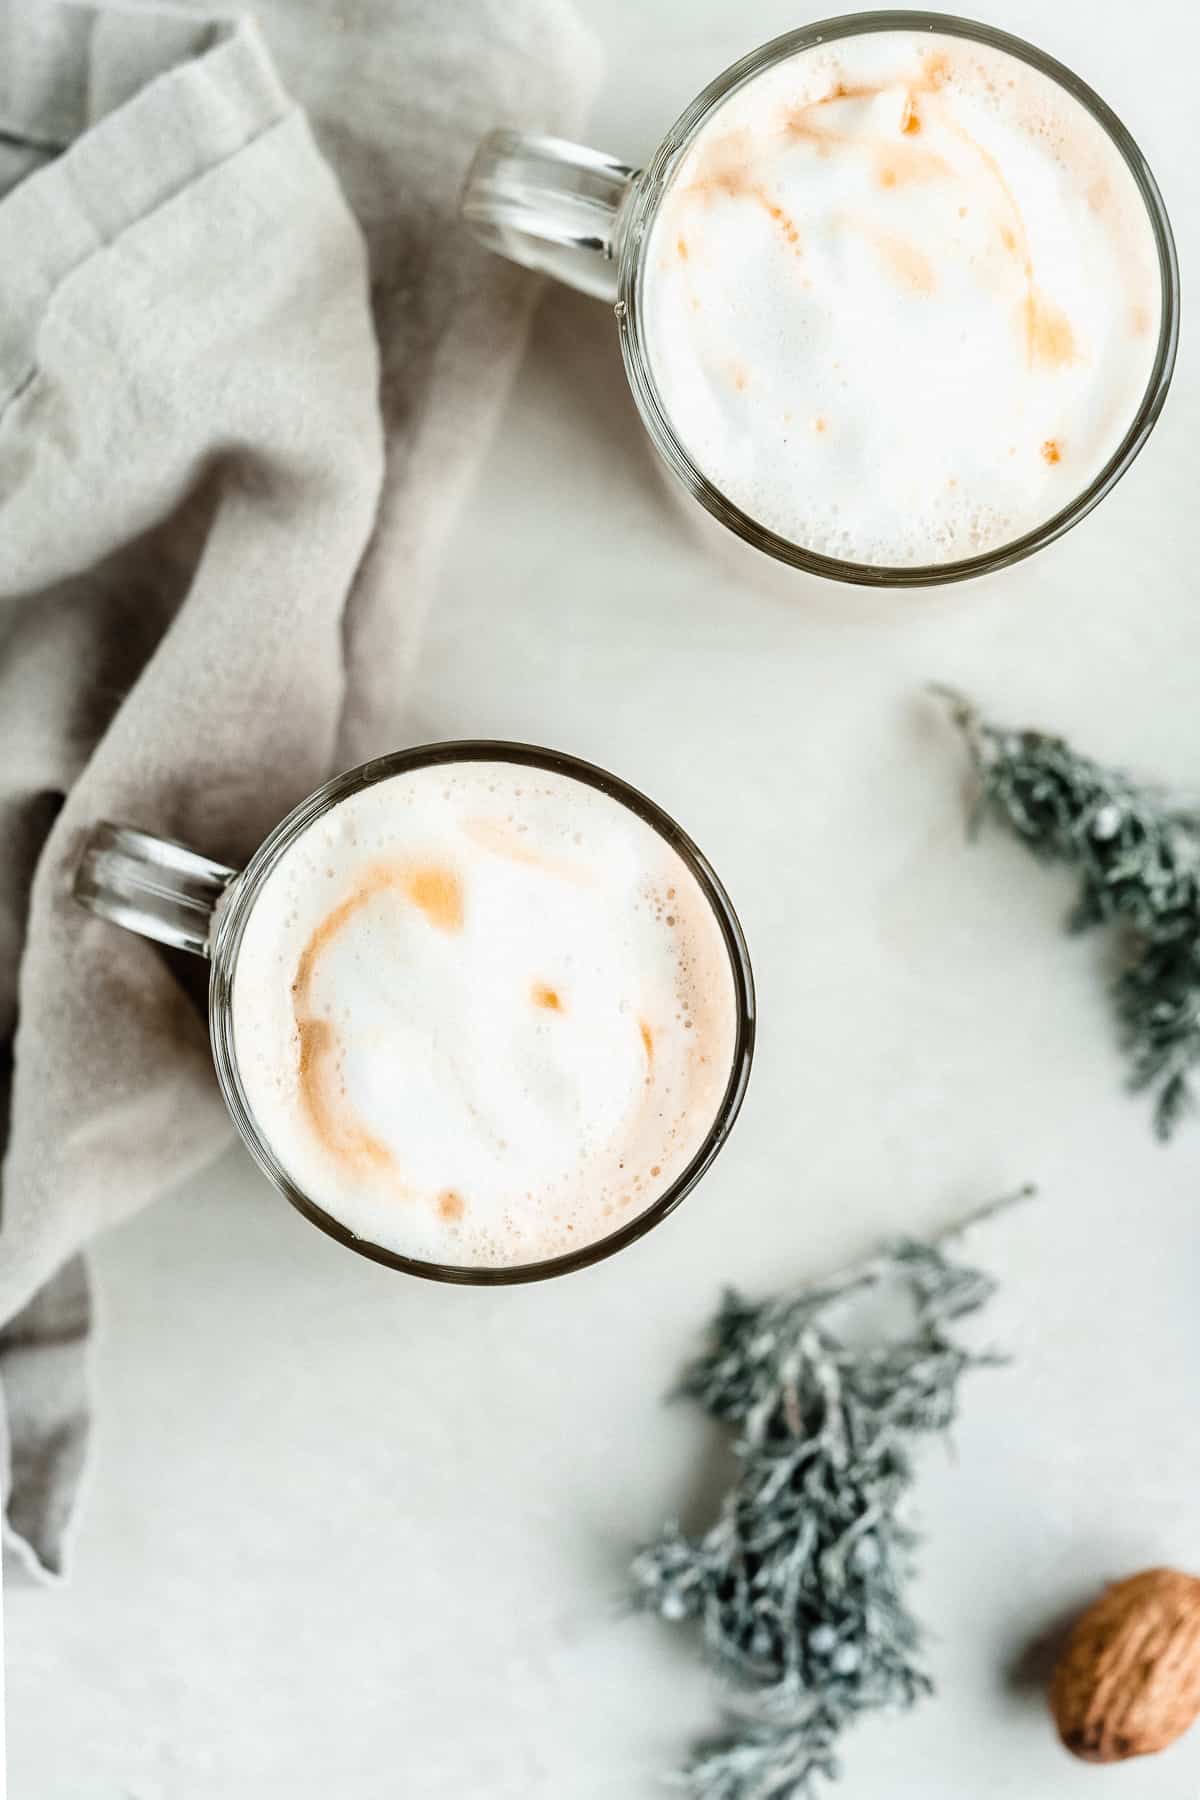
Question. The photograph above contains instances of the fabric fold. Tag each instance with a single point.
(101, 97)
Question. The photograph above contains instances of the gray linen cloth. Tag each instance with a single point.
(248, 364)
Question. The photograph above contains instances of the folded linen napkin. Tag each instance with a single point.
(247, 366)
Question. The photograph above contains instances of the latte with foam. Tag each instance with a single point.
(901, 301)
(484, 1014)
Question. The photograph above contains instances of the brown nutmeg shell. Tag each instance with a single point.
(1129, 1680)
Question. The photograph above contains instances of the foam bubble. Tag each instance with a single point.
(887, 272)
(478, 1041)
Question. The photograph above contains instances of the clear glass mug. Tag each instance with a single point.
(585, 218)
(165, 891)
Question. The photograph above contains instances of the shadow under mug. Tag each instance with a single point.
(586, 218)
(165, 891)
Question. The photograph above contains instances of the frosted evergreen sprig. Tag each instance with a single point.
(1136, 849)
(799, 1588)
(765, 1762)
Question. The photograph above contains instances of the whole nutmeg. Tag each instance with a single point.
(1129, 1680)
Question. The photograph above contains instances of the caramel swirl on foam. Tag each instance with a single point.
(929, 246)
(483, 1013)
(437, 893)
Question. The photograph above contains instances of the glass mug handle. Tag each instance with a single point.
(151, 885)
(550, 205)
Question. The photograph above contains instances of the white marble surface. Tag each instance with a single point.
(352, 1535)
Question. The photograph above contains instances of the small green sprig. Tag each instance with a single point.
(799, 1588)
(1137, 852)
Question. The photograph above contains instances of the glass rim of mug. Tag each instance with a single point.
(236, 911)
(650, 190)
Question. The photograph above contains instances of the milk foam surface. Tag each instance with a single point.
(902, 299)
(483, 1013)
